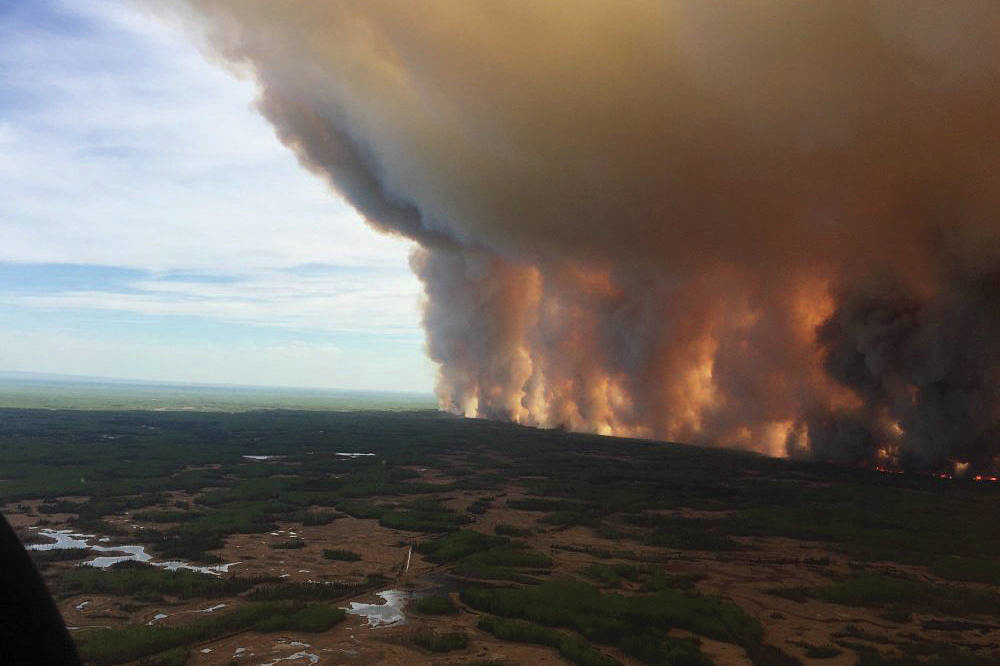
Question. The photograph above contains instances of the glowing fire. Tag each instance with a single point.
(769, 261)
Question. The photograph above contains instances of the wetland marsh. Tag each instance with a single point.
(249, 535)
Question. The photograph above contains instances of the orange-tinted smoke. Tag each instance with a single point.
(769, 224)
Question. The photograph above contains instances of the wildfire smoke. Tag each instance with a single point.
(767, 224)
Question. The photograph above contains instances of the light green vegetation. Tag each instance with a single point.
(638, 625)
(117, 646)
(308, 591)
(819, 651)
(291, 544)
(39, 393)
(433, 605)
(478, 555)
(570, 646)
(150, 583)
(440, 642)
(901, 594)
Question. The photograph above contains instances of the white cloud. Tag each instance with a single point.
(123, 147)
(155, 159)
(375, 302)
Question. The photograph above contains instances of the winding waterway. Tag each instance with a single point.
(67, 539)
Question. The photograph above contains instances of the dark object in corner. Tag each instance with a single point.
(31, 629)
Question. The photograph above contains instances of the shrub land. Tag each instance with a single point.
(637, 527)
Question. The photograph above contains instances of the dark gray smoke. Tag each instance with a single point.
(929, 363)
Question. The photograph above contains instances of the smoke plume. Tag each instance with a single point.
(768, 224)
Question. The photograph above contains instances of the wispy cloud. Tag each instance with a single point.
(379, 302)
(123, 146)
(142, 195)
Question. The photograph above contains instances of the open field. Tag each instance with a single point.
(27, 391)
(480, 542)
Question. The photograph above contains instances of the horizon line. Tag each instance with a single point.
(94, 379)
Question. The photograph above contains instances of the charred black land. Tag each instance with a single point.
(515, 545)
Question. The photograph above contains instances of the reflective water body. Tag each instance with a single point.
(297, 656)
(211, 609)
(163, 616)
(388, 613)
(67, 539)
(63, 539)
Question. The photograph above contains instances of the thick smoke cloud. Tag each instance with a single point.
(769, 224)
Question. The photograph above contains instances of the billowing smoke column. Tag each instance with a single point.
(769, 224)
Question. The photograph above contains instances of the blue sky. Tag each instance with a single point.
(152, 226)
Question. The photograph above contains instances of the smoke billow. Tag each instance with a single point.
(768, 224)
